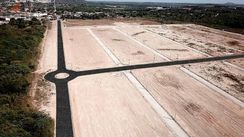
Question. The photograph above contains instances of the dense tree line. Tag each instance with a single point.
(19, 41)
(212, 16)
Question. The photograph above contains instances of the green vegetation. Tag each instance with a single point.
(19, 45)
(221, 16)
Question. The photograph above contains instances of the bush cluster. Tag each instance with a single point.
(222, 16)
(19, 42)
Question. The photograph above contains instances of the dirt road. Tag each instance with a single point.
(44, 92)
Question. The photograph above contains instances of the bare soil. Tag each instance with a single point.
(109, 104)
(165, 46)
(99, 22)
(198, 109)
(43, 92)
(128, 51)
(223, 76)
(211, 41)
(82, 51)
(175, 50)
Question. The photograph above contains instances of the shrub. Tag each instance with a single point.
(19, 42)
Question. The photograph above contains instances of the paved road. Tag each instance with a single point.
(63, 117)
(160, 64)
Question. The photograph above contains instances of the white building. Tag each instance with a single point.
(44, 1)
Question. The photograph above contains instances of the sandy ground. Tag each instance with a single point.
(44, 92)
(205, 41)
(82, 51)
(128, 51)
(48, 61)
(107, 105)
(199, 110)
(221, 75)
(192, 102)
(187, 32)
(167, 47)
(205, 112)
(217, 32)
(102, 22)
(111, 105)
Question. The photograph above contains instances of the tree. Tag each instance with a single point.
(35, 21)
(20, 23)
(12, 21)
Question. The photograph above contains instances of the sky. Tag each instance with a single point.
(180, 1)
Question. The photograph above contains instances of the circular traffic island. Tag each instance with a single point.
(62, 75)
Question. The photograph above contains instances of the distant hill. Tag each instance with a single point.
(229, 3)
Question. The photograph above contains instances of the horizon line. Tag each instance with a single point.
(121, 1)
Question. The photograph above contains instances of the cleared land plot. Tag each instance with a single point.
(216, 31)
(82, 51)
(203, 36)
(127, 51)
(199, 110)
(167, 47)
(221, 75)
(108, 105)
(207, 123)
(207, 42)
